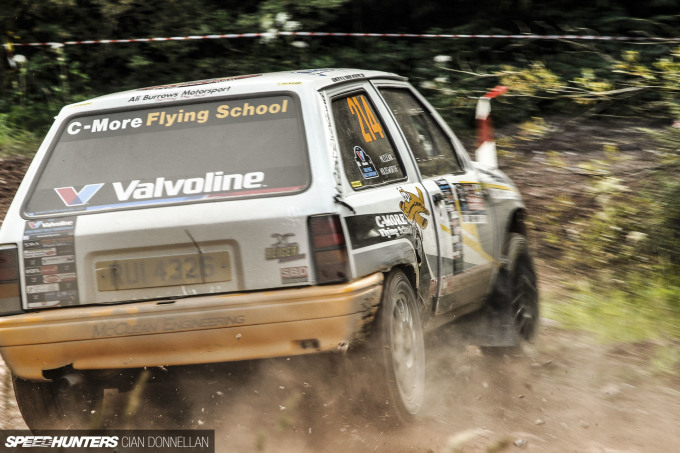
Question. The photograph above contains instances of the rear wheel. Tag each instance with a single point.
(59, 404)
(399, 350)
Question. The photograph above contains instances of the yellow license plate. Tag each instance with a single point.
(171, 270)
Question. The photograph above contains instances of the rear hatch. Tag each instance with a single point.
(171, 201)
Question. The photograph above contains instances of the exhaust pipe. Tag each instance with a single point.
(70, 380)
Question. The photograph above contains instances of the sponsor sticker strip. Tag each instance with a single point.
(49, 262)
(455, 228)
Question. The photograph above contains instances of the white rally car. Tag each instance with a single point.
(252, 217)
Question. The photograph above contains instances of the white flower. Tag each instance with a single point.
(269, 35)
(441, 80)
(442, 58)
(291, 25)
(428, 85)
(299, 44)
(282, 18)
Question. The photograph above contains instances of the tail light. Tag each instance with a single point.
(329, 249)
(10, 289)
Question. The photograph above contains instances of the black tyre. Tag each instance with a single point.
(514, 301)
(58, 404)
(522, 286)
(399, 351)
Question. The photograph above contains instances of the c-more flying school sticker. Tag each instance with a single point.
(168, 118)
(370, 229)
(49, 262)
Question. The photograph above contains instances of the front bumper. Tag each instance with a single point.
(203, 329)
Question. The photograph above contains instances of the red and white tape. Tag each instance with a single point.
(639, 39)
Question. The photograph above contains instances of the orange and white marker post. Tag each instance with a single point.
(486, 145)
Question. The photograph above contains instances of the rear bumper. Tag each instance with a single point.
(204, 329)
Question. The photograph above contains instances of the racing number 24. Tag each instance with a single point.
(369, 125)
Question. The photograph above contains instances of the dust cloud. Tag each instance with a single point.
(566, 392)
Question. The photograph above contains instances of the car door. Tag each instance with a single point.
(464, 223)
(392, 222)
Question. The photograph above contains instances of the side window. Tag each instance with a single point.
(367, 152)
(432, 148)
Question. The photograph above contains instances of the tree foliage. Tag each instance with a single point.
(32, 92)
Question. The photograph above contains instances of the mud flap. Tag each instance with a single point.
(487, 327)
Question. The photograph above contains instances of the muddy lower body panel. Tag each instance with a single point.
(204, 329)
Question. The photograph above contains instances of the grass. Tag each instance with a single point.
(617, 315)
(15, 141)
(650, 313)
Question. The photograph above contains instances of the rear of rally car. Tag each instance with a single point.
(172, 233)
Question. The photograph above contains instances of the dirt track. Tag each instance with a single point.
(565, 393)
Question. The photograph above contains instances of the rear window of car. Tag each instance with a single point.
(231, 148)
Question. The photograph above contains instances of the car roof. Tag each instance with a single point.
(317, 79)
